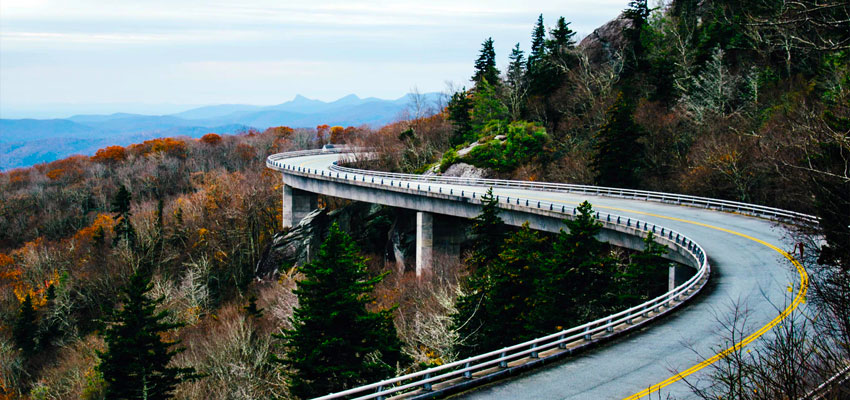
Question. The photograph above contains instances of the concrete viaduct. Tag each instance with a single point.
(740, 245)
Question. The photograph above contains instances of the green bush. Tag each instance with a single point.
(523, 140)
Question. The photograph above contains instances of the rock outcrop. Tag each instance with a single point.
(606, 42)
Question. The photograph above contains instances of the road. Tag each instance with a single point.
(746, 269)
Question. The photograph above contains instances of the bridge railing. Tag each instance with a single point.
(420, 383)
(679, 199)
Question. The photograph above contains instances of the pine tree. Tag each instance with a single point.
(562, 37)
(513, 298)
(647, 272)
(335, 342)
(121, 207)
(538, 67)
(489, 233)
(136, 362)
(485, 65)
(459, 109)
(25, 329)
(251, 309)
(579, 272)
(619, 152)
(635, 60)
(486, 107)
(538, 46)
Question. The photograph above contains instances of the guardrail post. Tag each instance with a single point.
(379, 390)
(610, 328)
(587, 335)
(503, 363)
(534, 354)
(562, 345)
(467, 374)
(427, 385)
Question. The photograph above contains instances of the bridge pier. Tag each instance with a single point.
(424, 243)
(677, 275)
(297, 204)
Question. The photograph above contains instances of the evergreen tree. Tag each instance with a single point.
(538, 67)
(121, 207)
(635, 60)
(516, 82)
(335, 342)
(136, 362)
(579, 272)
(486, 107)
(562, 37)
(647, 273)
(619, 152)
(511, 305)
(252, 309)
(25, 329)
(459, 109)
(485, 65)
(538, 46)
(489, 234)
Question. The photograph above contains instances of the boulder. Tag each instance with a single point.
(606, 41)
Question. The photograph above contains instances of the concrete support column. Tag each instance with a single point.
(678, 274)
(297, 204)
(424, 243)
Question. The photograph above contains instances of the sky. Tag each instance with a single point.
(63, 57)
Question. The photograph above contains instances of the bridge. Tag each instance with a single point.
(740, 246)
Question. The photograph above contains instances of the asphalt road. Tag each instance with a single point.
(744, 271)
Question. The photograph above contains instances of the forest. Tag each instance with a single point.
(739, 100)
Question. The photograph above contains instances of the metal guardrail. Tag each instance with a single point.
(671, 198)
(419, 384)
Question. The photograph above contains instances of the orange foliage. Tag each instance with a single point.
(245, 152)
(111, 154)
(71, 168)
(19, 177)
(321, 132)
(211, 139)
(55, 174)
(102, 221)
(172, 147)
(337, 134)
(280, 131)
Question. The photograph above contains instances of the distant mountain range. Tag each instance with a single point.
(24, 142)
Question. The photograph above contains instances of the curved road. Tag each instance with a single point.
(745, 268)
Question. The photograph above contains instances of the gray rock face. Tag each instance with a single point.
(606, 41)
(464, 170)
(294, 246)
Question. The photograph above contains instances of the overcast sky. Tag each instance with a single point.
(59, 57)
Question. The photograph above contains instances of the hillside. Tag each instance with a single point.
(24, 142)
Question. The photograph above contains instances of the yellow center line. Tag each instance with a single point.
(798, 299)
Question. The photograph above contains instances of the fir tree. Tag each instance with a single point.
(511, 308)
(636, 53)
(538, 46)
(251, 309)
(579, 272)
(562, 37)
(335, 342)
(121, 207)
(25, 329)
(136, 362)
(459, 109)
(485, 65)
(647, 272)
(619, 152)
(486, 107)
(489, 234)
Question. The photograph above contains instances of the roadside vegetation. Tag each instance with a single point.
(733, 100)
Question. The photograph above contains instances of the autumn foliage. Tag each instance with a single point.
(110, 155)
(211, 139)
